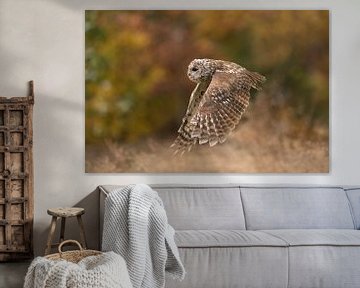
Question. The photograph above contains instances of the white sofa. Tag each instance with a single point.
(263, 237)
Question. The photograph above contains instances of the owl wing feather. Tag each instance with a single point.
(219, 109)
(184, 140)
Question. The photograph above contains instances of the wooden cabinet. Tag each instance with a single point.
(16, 177)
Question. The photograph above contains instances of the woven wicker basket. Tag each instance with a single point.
(72, 256)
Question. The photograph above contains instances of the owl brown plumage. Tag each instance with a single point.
(217, 103)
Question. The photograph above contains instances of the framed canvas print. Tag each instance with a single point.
(207, 91)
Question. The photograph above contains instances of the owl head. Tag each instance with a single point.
(201, 70)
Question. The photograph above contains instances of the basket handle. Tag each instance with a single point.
(69, 241)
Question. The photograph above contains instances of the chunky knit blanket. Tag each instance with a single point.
(136, 227)
(102, 271)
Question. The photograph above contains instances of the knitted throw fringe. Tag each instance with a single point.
(136, 227)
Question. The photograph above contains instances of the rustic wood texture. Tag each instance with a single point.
(16, 177)
(66, 211)
(51, 235)
(63, 213)
(82, 231)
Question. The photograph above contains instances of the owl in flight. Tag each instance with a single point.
(217, 103)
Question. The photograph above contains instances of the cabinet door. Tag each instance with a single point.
(15, 189)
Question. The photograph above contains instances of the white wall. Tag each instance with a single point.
(43, 40)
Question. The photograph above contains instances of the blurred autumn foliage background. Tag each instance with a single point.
(137, 89)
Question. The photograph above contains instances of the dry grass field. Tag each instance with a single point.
(277, 156)
(257, 146)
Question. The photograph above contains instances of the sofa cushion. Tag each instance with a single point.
(315, 237)
(324, 266)
(199, 207)
(226, 238)
(322, 258)
(220, 267)
(296, 208)
(204, 208)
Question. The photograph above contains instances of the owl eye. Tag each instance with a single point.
(194, 69)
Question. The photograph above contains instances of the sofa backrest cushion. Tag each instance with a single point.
(296, 208)
(203, 208)
(354, 198)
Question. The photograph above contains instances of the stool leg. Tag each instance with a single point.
(82, 232)
(51, 235)
(62, 231)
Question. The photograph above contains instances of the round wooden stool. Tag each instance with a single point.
(64, 213)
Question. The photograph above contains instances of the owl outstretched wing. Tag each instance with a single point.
(219, 109)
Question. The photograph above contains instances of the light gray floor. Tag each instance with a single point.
(12, 274)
